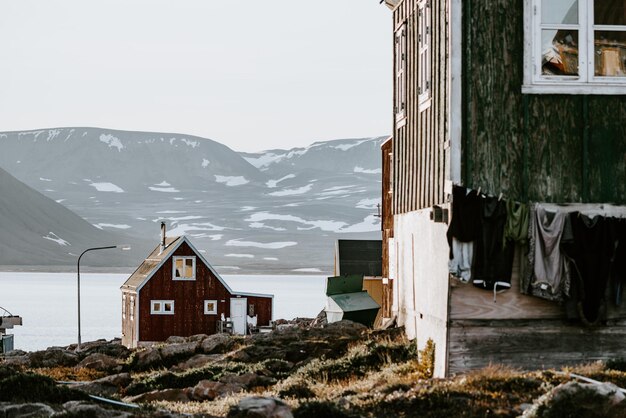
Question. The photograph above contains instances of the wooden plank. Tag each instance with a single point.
(531, 344)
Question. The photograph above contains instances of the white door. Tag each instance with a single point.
(238, 315)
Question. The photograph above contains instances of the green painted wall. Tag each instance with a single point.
(553, 148)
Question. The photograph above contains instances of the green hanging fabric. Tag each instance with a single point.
(516, 228)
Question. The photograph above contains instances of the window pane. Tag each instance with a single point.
(559, 11)
(560, 52)
(188, 267)
(179, 267)
(610, 57)
(609, 12)
(167, 307)
(156, 307)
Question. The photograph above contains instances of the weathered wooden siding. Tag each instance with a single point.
(553, 148)
(188, 296)
(387, 226)
(531, 344)
(128, 321)
(419, 144)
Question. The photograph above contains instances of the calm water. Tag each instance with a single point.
(47, 303)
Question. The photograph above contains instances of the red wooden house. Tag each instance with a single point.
(175, 291)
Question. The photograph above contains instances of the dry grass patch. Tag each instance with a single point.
(62, 373)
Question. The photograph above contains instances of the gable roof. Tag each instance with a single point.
(154, 261)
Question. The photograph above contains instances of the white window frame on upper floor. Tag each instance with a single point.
(185, 267)
(162, 307)
(586, 82)
(400, 68)
(424, 37)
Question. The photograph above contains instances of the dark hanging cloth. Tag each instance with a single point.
(618, 267)
(592, 250)
(493, 258)
(516, 228)
(466, 210)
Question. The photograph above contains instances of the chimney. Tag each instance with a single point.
(162, 237)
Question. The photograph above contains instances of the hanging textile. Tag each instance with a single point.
(592, 250)
(493, 259)
(463, 230)
(516, 228)
(549, 274)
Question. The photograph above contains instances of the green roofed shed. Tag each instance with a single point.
(347, 300)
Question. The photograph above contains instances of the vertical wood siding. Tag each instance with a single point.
(553, 148)
(387, 226)
(419, 153)
(188, 296)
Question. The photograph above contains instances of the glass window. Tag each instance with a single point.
(184, 268)
(162, 307)
(575, 46)
(210, 307)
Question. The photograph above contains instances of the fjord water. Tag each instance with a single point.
(47, 302)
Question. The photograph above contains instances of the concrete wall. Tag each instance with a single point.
(422, 281)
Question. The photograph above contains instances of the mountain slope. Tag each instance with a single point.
(35, 230)
(246, 215)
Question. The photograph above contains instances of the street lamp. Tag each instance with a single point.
(123, 247)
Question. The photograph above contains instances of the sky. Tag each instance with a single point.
(250, 74)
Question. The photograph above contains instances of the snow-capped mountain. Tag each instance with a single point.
(274, 211)
(35, 230)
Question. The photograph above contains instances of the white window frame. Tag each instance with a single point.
(400, 67)
(184, 258)
(132, 308)
(157, 307)
(586, 82)
(206, 305)
(424, 37)
(123, 305)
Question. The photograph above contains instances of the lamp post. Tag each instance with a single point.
(122, 247)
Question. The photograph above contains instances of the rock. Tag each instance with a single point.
(53, 357)
(217, 344)
(148, 358)
(101, 362)
(106, 386)
(197, 337)
(248, 380)
(25, 410)
(207, 390)
(243, 356)
(121, 379)
(174, 351)
(113, 348)
(199, 360)
(171, 395)
(259, 407)
(580, 400)
(320, 321)
(175, 339)
(21, 360)
(87, 409)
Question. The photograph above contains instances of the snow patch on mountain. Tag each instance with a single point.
(54, 237)
(205, 163)
(266, 245)
(116, 226)
(163, 184)
(44, 179)
(238, 256)
(164, 189)
(292, 192)
(112, 141)
(358, 169)
(231, 180)
(272, 183)
(368, 203)
(346, 147)
(107, 187)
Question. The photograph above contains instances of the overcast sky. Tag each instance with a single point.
(251, 74)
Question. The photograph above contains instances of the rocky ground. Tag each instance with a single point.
(304, 369)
